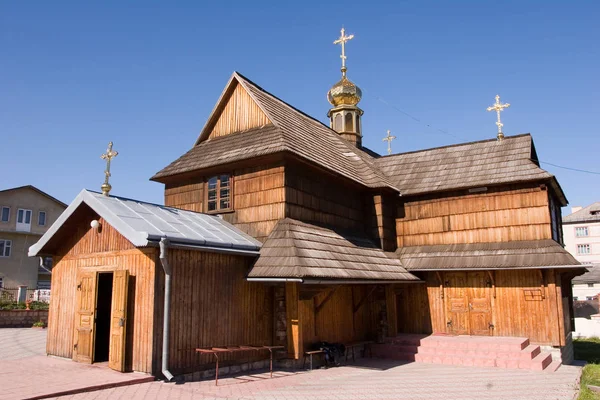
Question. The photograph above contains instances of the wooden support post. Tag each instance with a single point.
(392, 313)
(560, 307)
(294, 326)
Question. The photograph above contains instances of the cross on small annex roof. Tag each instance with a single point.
(342, 40)
(497, 106)
(389, 139)
(108, 156)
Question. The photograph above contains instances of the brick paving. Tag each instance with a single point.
(370, 379)
(16, 343)
(26, 372)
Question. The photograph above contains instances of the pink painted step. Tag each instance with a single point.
(484, 351)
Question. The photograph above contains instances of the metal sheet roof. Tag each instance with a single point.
(145, 223)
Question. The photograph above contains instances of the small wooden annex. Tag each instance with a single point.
(107, 302)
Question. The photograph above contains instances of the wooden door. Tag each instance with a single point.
(457, 304)
(118, 321)
(83, 341)
(480, 304)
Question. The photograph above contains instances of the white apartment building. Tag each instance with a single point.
(581, 233)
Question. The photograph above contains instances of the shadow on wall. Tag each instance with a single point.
(585, 308)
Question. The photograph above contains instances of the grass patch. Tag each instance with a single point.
(588, 350)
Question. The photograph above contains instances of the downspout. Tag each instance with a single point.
(164, 243)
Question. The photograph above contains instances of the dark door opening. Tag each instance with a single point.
(103, 309)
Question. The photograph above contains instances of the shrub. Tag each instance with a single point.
(39, 324)
(12, 305)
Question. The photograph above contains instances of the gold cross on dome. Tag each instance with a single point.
(108, 156)
(389, 139)
(342, 40)
(499, 107)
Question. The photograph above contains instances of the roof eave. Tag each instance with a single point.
(569, 266)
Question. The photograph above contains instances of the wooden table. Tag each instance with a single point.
(236, 349)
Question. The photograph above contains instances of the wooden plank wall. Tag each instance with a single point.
(381, 219)
(526, 305)
(519, 308)
(187, 195)
(240, 113)
(314, 197)
(258, 199)
(213, 305)
(336, 321)
(494, 216)
(100, 252)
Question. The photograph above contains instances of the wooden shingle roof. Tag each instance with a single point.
(487, 256)
(291, 131)
(297, 249)
(467, 165)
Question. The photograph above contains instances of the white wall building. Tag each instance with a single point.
(581, 233)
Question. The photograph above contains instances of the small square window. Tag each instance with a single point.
(583, 249)
(42, 218)
(575, 298)
(590, 285)
(589, 298)
(5, 247)
(5, 217)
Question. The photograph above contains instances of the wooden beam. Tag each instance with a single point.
(491, 275)
(362, 301)
(319, 306)
(542, 286)
(441, 284)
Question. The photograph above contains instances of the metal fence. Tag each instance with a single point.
(12, 294)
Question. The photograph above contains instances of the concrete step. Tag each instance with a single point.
(484, 351)
(528, 353)
(505, 344)
(540, 362)
(554, 365)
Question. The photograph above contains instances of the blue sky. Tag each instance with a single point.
(75, 75)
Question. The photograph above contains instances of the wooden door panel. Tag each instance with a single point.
(480, 304)
(118, 321)
(83, 346)
(457, 305)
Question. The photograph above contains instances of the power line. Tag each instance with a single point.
(458, 137)
(571, 169)
(381, 99)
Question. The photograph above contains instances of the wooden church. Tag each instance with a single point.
(280, 230)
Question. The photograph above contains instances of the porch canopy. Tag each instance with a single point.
(525, 254)
(145, 224)
(300, 252)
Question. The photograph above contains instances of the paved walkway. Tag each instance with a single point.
(16, 343)
(372, 379)
(25, 370)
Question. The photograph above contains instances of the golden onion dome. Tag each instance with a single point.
(344, 92)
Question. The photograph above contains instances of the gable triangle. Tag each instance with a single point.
(236, 111)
